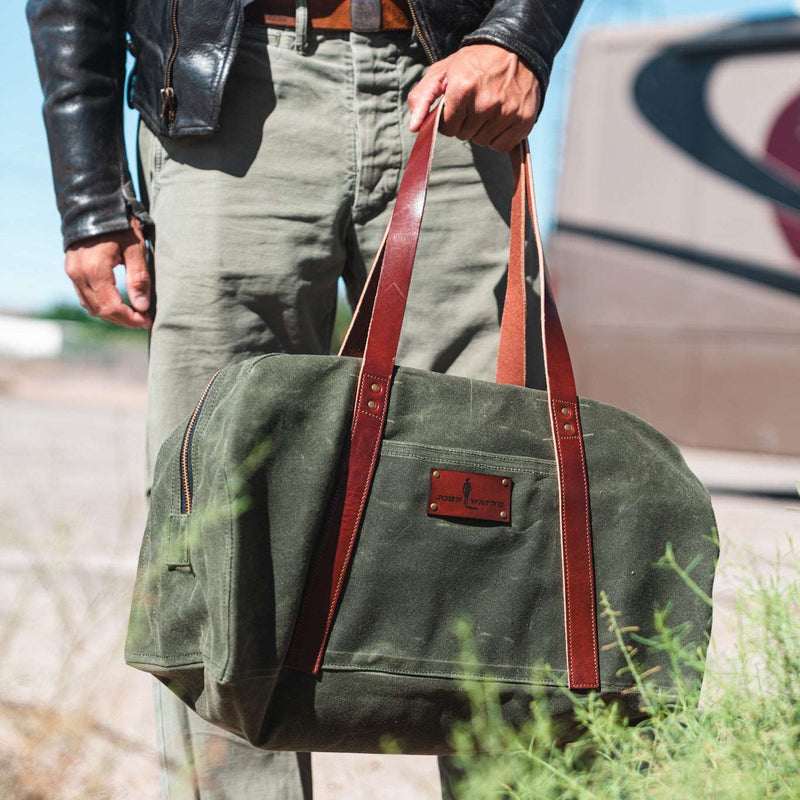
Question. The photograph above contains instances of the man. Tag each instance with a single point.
(274, 137)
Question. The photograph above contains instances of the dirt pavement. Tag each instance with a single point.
(74, 720)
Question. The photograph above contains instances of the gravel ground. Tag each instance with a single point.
(74, 720)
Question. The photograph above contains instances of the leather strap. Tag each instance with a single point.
(385, 296)
(511, 367)
(511, 349)
(577, 562)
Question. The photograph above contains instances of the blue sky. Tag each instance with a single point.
(32, 270)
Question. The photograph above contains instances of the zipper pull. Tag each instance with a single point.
(168, 104)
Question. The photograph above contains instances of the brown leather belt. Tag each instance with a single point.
(364, 16)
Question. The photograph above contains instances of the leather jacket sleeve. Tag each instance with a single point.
(533, 29)
(80, 52)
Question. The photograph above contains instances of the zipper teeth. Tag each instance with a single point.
(187, 440)
(417, 28)
(175, 38)
(169, 92)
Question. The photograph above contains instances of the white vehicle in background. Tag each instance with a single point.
(676, 256)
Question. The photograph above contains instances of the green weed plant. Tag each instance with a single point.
(737, 740)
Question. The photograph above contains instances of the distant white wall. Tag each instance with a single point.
(21, 337)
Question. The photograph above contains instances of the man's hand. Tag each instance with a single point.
(90, 265)
(490, 96)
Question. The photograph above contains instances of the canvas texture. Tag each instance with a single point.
(218, 590)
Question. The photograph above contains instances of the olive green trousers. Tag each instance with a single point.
(255, 226)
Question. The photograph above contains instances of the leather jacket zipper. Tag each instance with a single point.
(169, 101)
(186, 450)
(423, 41)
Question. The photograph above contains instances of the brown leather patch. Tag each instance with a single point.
(470, 495)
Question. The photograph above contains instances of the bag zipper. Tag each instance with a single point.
(186, 450)
(169, 101)
(425, 46)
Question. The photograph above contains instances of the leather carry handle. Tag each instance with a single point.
(577, 562)
(511, 367)
(385, 296)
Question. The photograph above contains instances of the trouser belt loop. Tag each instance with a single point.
(301, 26)
(365, 15)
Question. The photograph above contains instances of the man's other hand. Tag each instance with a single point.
(90, 265)
(490, 96)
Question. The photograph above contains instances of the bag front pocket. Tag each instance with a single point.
(416, 577)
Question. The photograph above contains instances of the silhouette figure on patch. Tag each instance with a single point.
(467, 489)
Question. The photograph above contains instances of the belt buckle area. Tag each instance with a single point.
(365, 16)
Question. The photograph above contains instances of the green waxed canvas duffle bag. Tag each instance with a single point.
(321, 524)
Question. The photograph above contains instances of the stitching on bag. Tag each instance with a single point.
(252, 674)
(174, 484)
(256, 361)
(577, 421)
(563, 546)
(209, 405)
(475, 465)
(356, 522)
(537, 682)
(215, 395)
(207, 664)
(360, 395)
(445, 661)
(434, 674)
(230, 572)
(578, 436)
(167, 552)
(361, 384)
(351, 668)
(352, 537)
(161, 656)
(177, 544)
(570, 643)
(583, 435)
(546, 467)
(589, 564)
(464, 454)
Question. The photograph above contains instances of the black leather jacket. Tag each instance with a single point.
(183, 54)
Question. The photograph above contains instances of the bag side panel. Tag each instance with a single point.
(644, 500)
